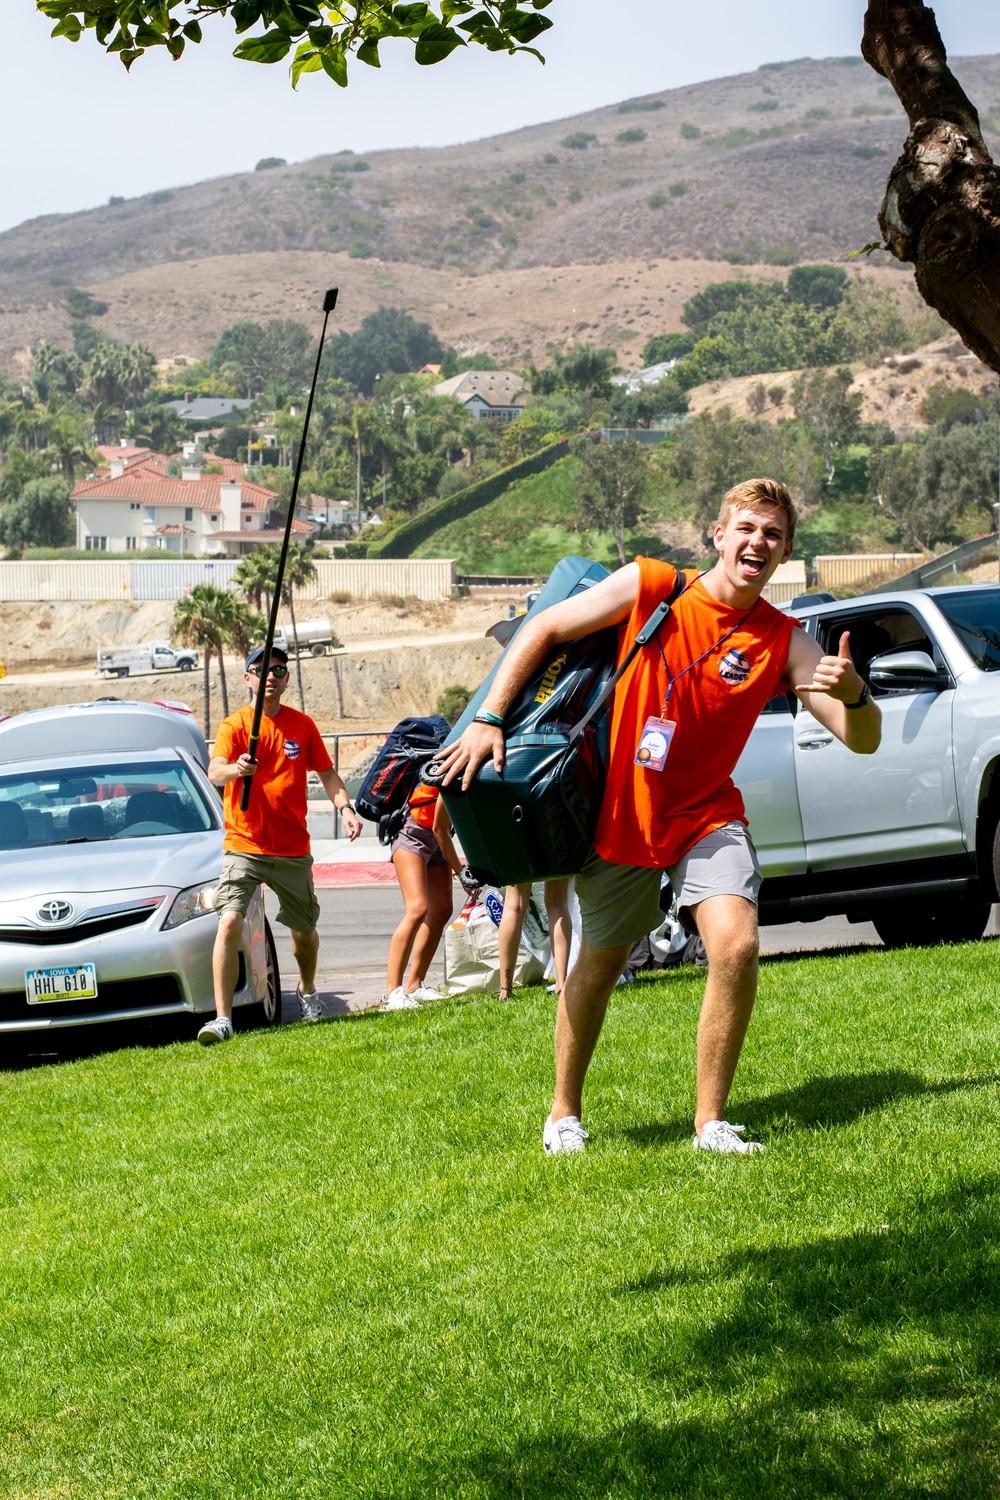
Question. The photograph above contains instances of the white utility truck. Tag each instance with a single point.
(315, 637)
(153, 656)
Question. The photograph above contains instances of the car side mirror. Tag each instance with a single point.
(906, 669)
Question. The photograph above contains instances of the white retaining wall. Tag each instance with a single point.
(424, 578)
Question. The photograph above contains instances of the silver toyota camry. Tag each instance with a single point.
(110, 844)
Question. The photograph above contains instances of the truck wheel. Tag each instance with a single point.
(121, 672)
(317, 650)
(186, 666)
(933, 919)
(268, 1011)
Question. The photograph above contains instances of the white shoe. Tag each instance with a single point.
(398, 999)
(309, 1006)
(563, 1136)
(425, 992)
(218, 1030)
(719, 1135)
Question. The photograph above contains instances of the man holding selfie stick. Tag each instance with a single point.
(267, 842)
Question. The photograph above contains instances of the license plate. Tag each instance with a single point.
(75, 982)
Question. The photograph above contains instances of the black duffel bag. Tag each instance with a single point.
(536, 819)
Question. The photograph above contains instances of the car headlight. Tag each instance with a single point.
(196, 901)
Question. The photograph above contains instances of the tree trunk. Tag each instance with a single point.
(206, 691)
(941, 211)
(298, 649)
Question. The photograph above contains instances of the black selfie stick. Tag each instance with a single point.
(329, 303)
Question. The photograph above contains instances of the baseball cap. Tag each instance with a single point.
(257, 654)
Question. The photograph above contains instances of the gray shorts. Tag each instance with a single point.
(419, 840)
(621, 903)
(290, 880)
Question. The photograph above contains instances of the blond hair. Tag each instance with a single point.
(760, 492)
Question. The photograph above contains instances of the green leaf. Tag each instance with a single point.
(192, 31)
(869, 248)
(320, 36)
(452, 8)
(306, 60)
(129, 56)
(334, 60)
(409, 15)
(529, 26)
(435, 43)
(269, 48)
(175, 46)
(368, 53)
(246, 13)
(69, 27)
(122, 42)
(477, 24)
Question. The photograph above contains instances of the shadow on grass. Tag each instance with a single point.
(861, 1364)
(820, 1103)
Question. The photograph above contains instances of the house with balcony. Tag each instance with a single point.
(180, 507)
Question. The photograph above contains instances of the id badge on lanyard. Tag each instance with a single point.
(654, 743)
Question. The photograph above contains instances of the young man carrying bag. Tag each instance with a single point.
(682, 713)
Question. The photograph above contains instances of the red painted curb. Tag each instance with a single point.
(361, 873)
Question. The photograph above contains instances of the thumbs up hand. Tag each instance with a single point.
(836, 676)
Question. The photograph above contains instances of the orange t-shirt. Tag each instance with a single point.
(421, 804)
(652, 818)
(289, 748)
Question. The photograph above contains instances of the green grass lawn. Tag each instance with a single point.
(333, 1261)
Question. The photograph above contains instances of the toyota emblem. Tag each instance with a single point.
(55, 911)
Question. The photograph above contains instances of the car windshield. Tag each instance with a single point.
(975, 618)
(98, 803)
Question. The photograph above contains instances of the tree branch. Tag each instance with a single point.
(941, 211)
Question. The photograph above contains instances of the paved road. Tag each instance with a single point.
(355, 648)
(356, 923)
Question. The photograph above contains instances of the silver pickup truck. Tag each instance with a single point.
(906, 838)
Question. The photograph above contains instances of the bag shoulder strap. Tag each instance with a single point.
(643, 637)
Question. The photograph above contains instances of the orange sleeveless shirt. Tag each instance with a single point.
(652, 818)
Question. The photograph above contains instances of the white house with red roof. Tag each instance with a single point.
(178, 506)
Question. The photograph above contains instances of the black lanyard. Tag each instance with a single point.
(691, 665)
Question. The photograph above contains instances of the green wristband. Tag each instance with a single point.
(485, 717)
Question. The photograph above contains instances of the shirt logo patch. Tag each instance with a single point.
(292, 749)
(734, 666)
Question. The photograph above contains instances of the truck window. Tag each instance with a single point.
(879, 633)
(975, 618)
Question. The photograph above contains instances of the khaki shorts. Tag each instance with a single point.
(290, 880)
(621, 903)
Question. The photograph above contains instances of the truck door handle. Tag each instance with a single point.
(814, 739)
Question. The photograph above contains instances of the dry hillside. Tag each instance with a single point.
(597, 226)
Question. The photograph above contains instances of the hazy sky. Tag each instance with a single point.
(78, 129)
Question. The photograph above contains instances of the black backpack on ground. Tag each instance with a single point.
(395, 771)
(536, 820)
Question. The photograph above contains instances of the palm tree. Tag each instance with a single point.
(257, 575)
(213, 618)
(255, 578)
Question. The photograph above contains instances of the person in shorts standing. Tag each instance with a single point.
(268, 844)
(425, 859)
(681, 714)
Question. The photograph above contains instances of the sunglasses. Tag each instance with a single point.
(276, 669)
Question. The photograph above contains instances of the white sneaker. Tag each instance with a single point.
(563, 1136)
(719, 1135)
(398, 999)
(425, 992)
(219, 1030)
(309, 1006)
